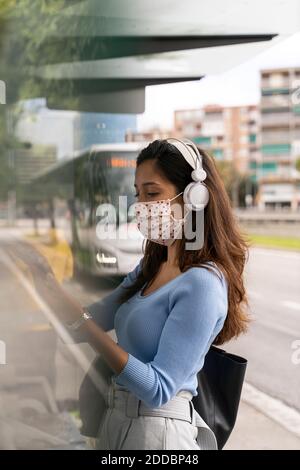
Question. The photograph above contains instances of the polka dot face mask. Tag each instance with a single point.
(156, 222)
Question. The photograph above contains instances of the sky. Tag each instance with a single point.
(239, 86)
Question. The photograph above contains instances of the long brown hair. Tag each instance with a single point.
(223, 241)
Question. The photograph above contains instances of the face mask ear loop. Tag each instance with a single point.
(176, 196)
(185, 216)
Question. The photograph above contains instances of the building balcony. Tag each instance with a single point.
(276, 109)
(276, 149)
(275, 138)
(275, 101)
(276, 126)
(266, 83)
(203, 141)
(277, 178)
(271, 91)
(285, 159)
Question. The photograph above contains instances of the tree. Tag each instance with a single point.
(236, 184)
(25, 26)
(231, 178)
(28, 29)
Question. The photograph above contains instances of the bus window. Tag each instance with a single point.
(113, 176)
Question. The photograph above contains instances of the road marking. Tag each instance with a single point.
(276, 327)
(291, 304)
(285, 415)
(295, 306)
(280, 253)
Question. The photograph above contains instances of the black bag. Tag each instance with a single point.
(220, 383)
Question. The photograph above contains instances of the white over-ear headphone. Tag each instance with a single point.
(196, 194)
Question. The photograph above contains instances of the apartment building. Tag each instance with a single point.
(149, 135)
(279, 181)
(262, 141)
(229, 133)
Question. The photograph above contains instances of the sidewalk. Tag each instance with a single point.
(256, 431)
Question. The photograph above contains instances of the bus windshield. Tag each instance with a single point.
(112, 177)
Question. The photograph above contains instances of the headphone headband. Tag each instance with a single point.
(184, 148)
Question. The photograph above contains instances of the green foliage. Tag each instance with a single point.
(25, 25)
(274, 241)
(236, 184)
(6, 145)
(229, 174)
(27, 37)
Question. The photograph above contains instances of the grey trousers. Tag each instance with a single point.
(122, 428)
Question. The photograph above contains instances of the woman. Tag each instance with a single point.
(170, 309)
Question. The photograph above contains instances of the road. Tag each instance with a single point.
(273, 285)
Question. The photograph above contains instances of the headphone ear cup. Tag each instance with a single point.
(196, 196)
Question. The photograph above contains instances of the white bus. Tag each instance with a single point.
(76, 187)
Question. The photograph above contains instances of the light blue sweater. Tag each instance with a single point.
(166, 333)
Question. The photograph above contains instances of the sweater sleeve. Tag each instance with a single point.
(103, 311)
(198, 308)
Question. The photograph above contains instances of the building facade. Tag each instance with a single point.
(262, 141)
(229, 133)
(279, 180)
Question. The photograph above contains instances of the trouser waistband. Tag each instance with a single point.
(179, 407)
